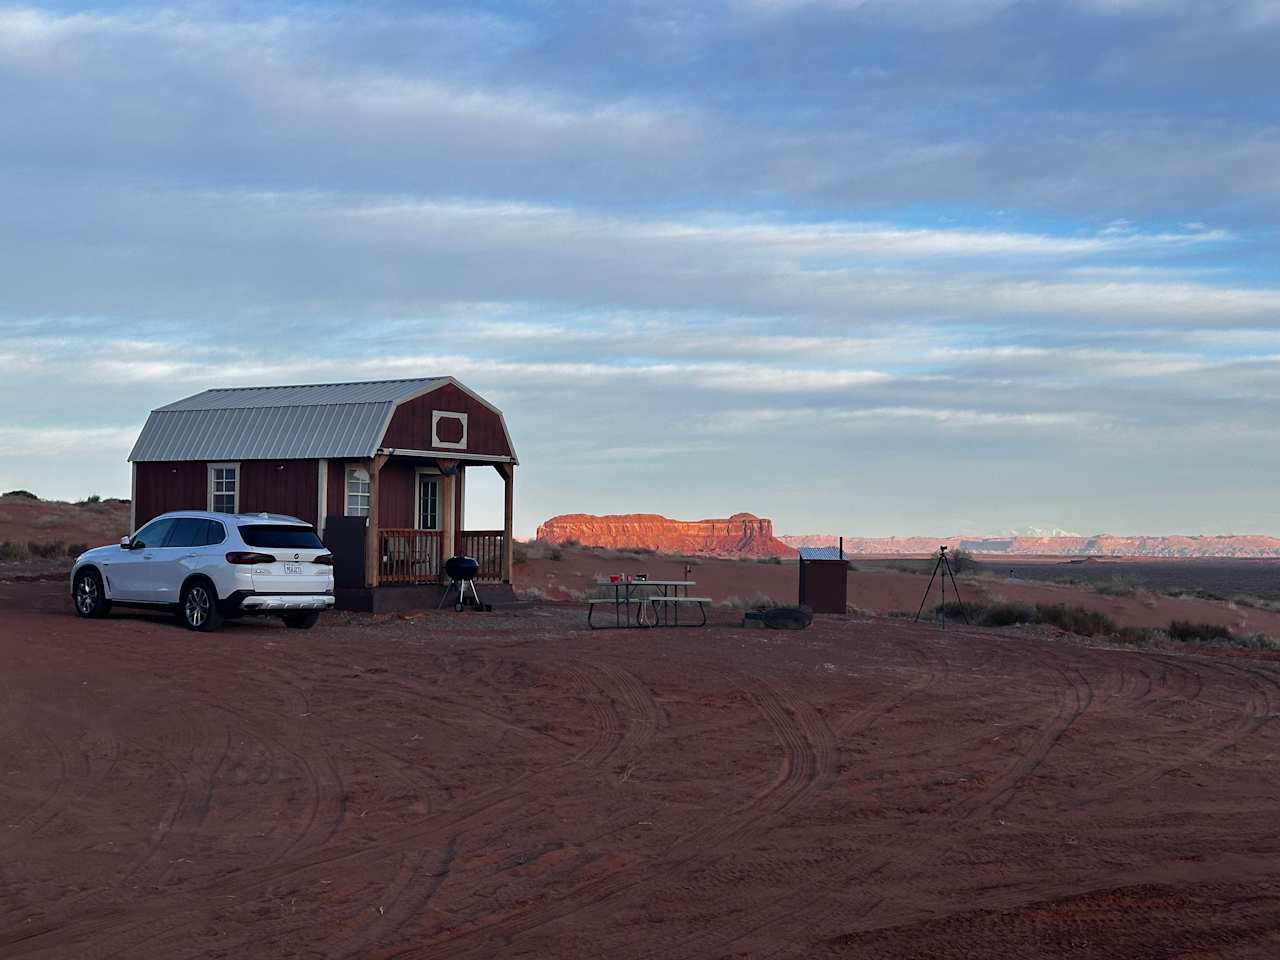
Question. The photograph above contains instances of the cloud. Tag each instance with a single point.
(52, 441)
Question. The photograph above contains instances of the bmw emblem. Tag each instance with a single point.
(296, 556)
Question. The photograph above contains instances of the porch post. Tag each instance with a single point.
(372, 540)
(508, 471)
(459, 513)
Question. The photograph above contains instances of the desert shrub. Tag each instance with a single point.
(1115, 587)
(571, 543)
(777, 561)
(47, 551)
(855, 611)
(954, 610)
(900, 614)
(531, 593)
(1078, 620)
(92, 498)
(1255, 641)
(754, 601)
(1184, 631)
(1257, 603)
(1137, 636)
(642, 551)
(557, 553)
(1005, 613)
(22, 495)
(519, 553)
(13, 551)
(75, 549)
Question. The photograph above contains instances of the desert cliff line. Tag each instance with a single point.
(747, 535)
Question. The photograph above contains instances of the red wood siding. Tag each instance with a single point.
(185, 486)
(162, 487)
(280, 486)
(395, 495)
(410, 427)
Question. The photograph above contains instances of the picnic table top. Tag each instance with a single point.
(644, 583)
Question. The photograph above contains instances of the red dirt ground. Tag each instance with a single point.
(513, 785)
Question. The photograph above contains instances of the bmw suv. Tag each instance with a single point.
(208, 566)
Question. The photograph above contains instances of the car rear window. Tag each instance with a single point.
(281, 535)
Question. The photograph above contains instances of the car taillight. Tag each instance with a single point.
(241, 556)
(325, 558)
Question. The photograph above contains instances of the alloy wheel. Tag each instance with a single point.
(86, 594)
(197, 608)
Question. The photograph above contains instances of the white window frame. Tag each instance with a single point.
(436, 417)
(417, 498)
(212, 486)
(347, 469)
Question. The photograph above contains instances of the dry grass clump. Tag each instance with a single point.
(757, 600)
(1077, 620)
(57, 550)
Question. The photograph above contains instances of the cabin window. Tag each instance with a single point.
(357, 492)
(428, 502)
(224, 487)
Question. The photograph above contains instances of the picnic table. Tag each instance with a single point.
(663, 596)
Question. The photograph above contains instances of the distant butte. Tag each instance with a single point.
(741, 535)
(1102, 545)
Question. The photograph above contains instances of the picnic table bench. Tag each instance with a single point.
(665, 601)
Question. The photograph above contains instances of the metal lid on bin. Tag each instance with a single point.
(820, 553)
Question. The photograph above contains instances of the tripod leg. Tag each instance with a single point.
(963, 612)
(925, 598)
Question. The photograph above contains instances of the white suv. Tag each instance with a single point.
(207, 566)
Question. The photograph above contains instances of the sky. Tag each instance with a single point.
(873, 267)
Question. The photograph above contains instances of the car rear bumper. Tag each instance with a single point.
(247, 602)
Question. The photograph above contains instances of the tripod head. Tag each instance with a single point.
(943, 548)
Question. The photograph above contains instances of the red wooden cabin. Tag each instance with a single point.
(379, 467)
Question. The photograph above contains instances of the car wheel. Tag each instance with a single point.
(301, 621)
(88, 595)
(198, 607)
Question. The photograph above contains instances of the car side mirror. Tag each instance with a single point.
(124, 543)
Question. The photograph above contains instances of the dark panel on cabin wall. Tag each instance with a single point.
(161, 487)
(395, 495)
(410, 427)
(337, 493)
(280, 486)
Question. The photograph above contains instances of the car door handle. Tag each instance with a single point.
(190, 556)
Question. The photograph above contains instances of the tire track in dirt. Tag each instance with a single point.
(1259, 708)
(802, 765)
(806, 910)
(1073, 702)
(410, 892)
(113, 938)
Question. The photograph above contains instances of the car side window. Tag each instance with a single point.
(214, 533)
(186, 532)
(154, 533)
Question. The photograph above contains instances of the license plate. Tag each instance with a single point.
(293, 568)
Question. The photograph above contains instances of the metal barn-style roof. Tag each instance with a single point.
(309, 421)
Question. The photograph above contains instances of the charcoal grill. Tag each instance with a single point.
(462, 572)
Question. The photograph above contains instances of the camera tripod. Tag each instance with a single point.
(943, 566)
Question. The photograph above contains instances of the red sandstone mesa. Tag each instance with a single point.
(742, 535)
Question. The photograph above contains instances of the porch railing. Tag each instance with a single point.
(411, 556)
(487, 547)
